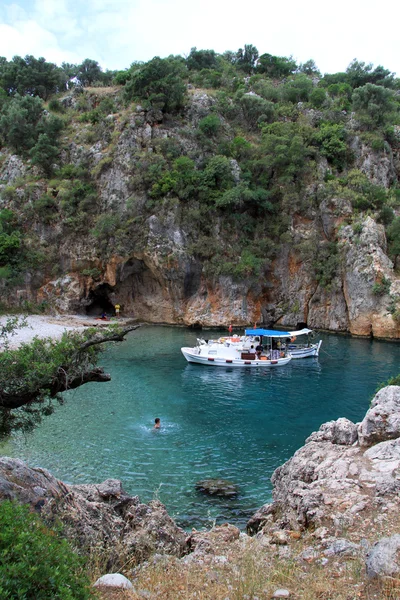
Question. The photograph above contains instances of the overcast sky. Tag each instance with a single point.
(118, 32)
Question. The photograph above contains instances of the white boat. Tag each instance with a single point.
(306, 348)
(239, 352)
(289, 341)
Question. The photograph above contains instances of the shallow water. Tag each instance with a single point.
(237, 424)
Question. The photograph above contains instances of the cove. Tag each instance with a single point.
(235, 424)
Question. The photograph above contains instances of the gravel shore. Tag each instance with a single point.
(46, 326)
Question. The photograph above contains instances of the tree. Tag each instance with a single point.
(31, 76)
(256, 110)
(331, 138)
(160, 83)
(359, 74)
(201, 59)
(89, 72)
(298, 89)
(246, 58)
(19, 120)
(36, 373)
(276, 66)
(44, 153)
(374, 103)
(309, 68)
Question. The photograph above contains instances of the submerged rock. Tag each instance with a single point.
(217, 487)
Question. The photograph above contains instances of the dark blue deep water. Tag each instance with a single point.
(238, 424)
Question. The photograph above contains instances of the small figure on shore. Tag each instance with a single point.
(117, 309)
(157, 423)
(230, 328)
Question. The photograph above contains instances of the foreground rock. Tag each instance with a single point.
(384, 558)
(344, 476)
(115, 580)
(95, 516)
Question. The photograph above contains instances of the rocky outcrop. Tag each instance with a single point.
(151, 268)
(99, 516)
(344, 473)
(383, 558)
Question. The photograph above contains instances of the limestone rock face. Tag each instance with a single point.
(343, 472)
(94, 515)
(365, 264)
(382, 421)
(12, 168)
(378, 166)
(152, 270)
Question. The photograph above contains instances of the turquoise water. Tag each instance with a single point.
(238, 424)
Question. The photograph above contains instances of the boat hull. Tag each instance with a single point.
(312, 350)
(219, 361)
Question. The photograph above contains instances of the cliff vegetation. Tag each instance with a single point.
(202, 190)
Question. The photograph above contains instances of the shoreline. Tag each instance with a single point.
(46, 326)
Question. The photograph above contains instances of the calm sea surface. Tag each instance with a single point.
(238, 424)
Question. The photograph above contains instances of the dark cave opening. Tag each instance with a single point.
(99, 301)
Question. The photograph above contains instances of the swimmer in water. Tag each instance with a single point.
(157, 423)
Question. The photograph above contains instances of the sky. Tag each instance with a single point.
(118, 32)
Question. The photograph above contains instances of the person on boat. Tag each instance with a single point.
(230, 328)
(157, 423)
(259, 349)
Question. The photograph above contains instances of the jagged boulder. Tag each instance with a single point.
(102, 515)
(382, 421)
(342, 432)
(384, 558)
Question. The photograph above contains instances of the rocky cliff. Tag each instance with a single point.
(327, 265)
(345, 477)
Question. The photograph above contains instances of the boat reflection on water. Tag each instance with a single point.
(229, 380)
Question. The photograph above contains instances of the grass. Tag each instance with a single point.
(252, 568)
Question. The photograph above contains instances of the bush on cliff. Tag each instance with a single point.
(35, 564)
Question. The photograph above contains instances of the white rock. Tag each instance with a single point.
(281, 594)
(114, 580)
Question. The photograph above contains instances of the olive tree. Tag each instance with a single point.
(36, 373)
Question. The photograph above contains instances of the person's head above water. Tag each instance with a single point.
(157, 423)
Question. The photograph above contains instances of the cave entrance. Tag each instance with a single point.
(98, 301)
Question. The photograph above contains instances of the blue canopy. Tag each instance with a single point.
(267, 332)
(277, 334)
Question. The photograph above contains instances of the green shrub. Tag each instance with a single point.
(35, 564)
(380, 288)
(210, 125)
(332, 141)
(56, 106)
(317, 97)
